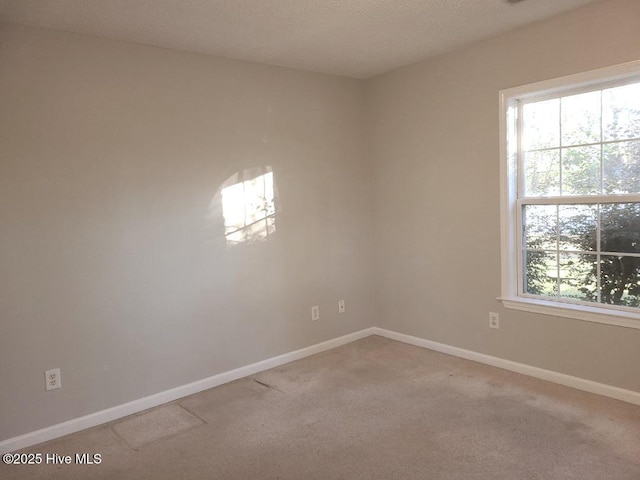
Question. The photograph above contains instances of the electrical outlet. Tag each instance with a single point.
(315, 313)
(341, 306)
(52, 379)
(494, 320)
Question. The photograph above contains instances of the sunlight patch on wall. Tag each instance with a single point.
(249, 206)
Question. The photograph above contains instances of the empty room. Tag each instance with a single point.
(313, 239)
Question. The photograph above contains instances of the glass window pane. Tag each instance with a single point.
(582, 144)
(621, 112)
(578, 227)
(542, 173)
(581, 118)
(541, 272)
(620, 228)
(622, 167)
(581, 170)
(541, 121)
(620, 280)
(578, 276)
(540, 227)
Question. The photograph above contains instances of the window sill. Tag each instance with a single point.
(590, 314)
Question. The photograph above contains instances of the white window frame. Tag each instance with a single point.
(511, 295)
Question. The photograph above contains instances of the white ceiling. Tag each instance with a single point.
(357, 38)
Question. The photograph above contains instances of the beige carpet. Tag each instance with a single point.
(374, 409)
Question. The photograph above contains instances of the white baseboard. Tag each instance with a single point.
(628, 396)
(120, 411)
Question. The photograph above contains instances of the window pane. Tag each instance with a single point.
(581, 170)
(581, 118)
(620, 228)
(621, 112)
(542, 173)
(583, 146)
(620, 279)
(578, 227)
(541, 124)
(622, 167)
(578, 276)
(540, 231)
(541, 272)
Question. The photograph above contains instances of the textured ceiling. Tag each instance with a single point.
(357, 38)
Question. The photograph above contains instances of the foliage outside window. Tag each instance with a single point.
(573, 192)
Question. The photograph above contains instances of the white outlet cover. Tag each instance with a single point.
(52, 379)
(315, 313)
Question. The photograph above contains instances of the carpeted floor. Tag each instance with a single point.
(373, 409)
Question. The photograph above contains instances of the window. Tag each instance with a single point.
(571, 196)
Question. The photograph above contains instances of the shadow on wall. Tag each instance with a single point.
(247, 202)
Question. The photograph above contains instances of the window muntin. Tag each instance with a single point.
(578, 195)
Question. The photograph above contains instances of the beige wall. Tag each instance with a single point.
(436, 209)
(111, 267)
